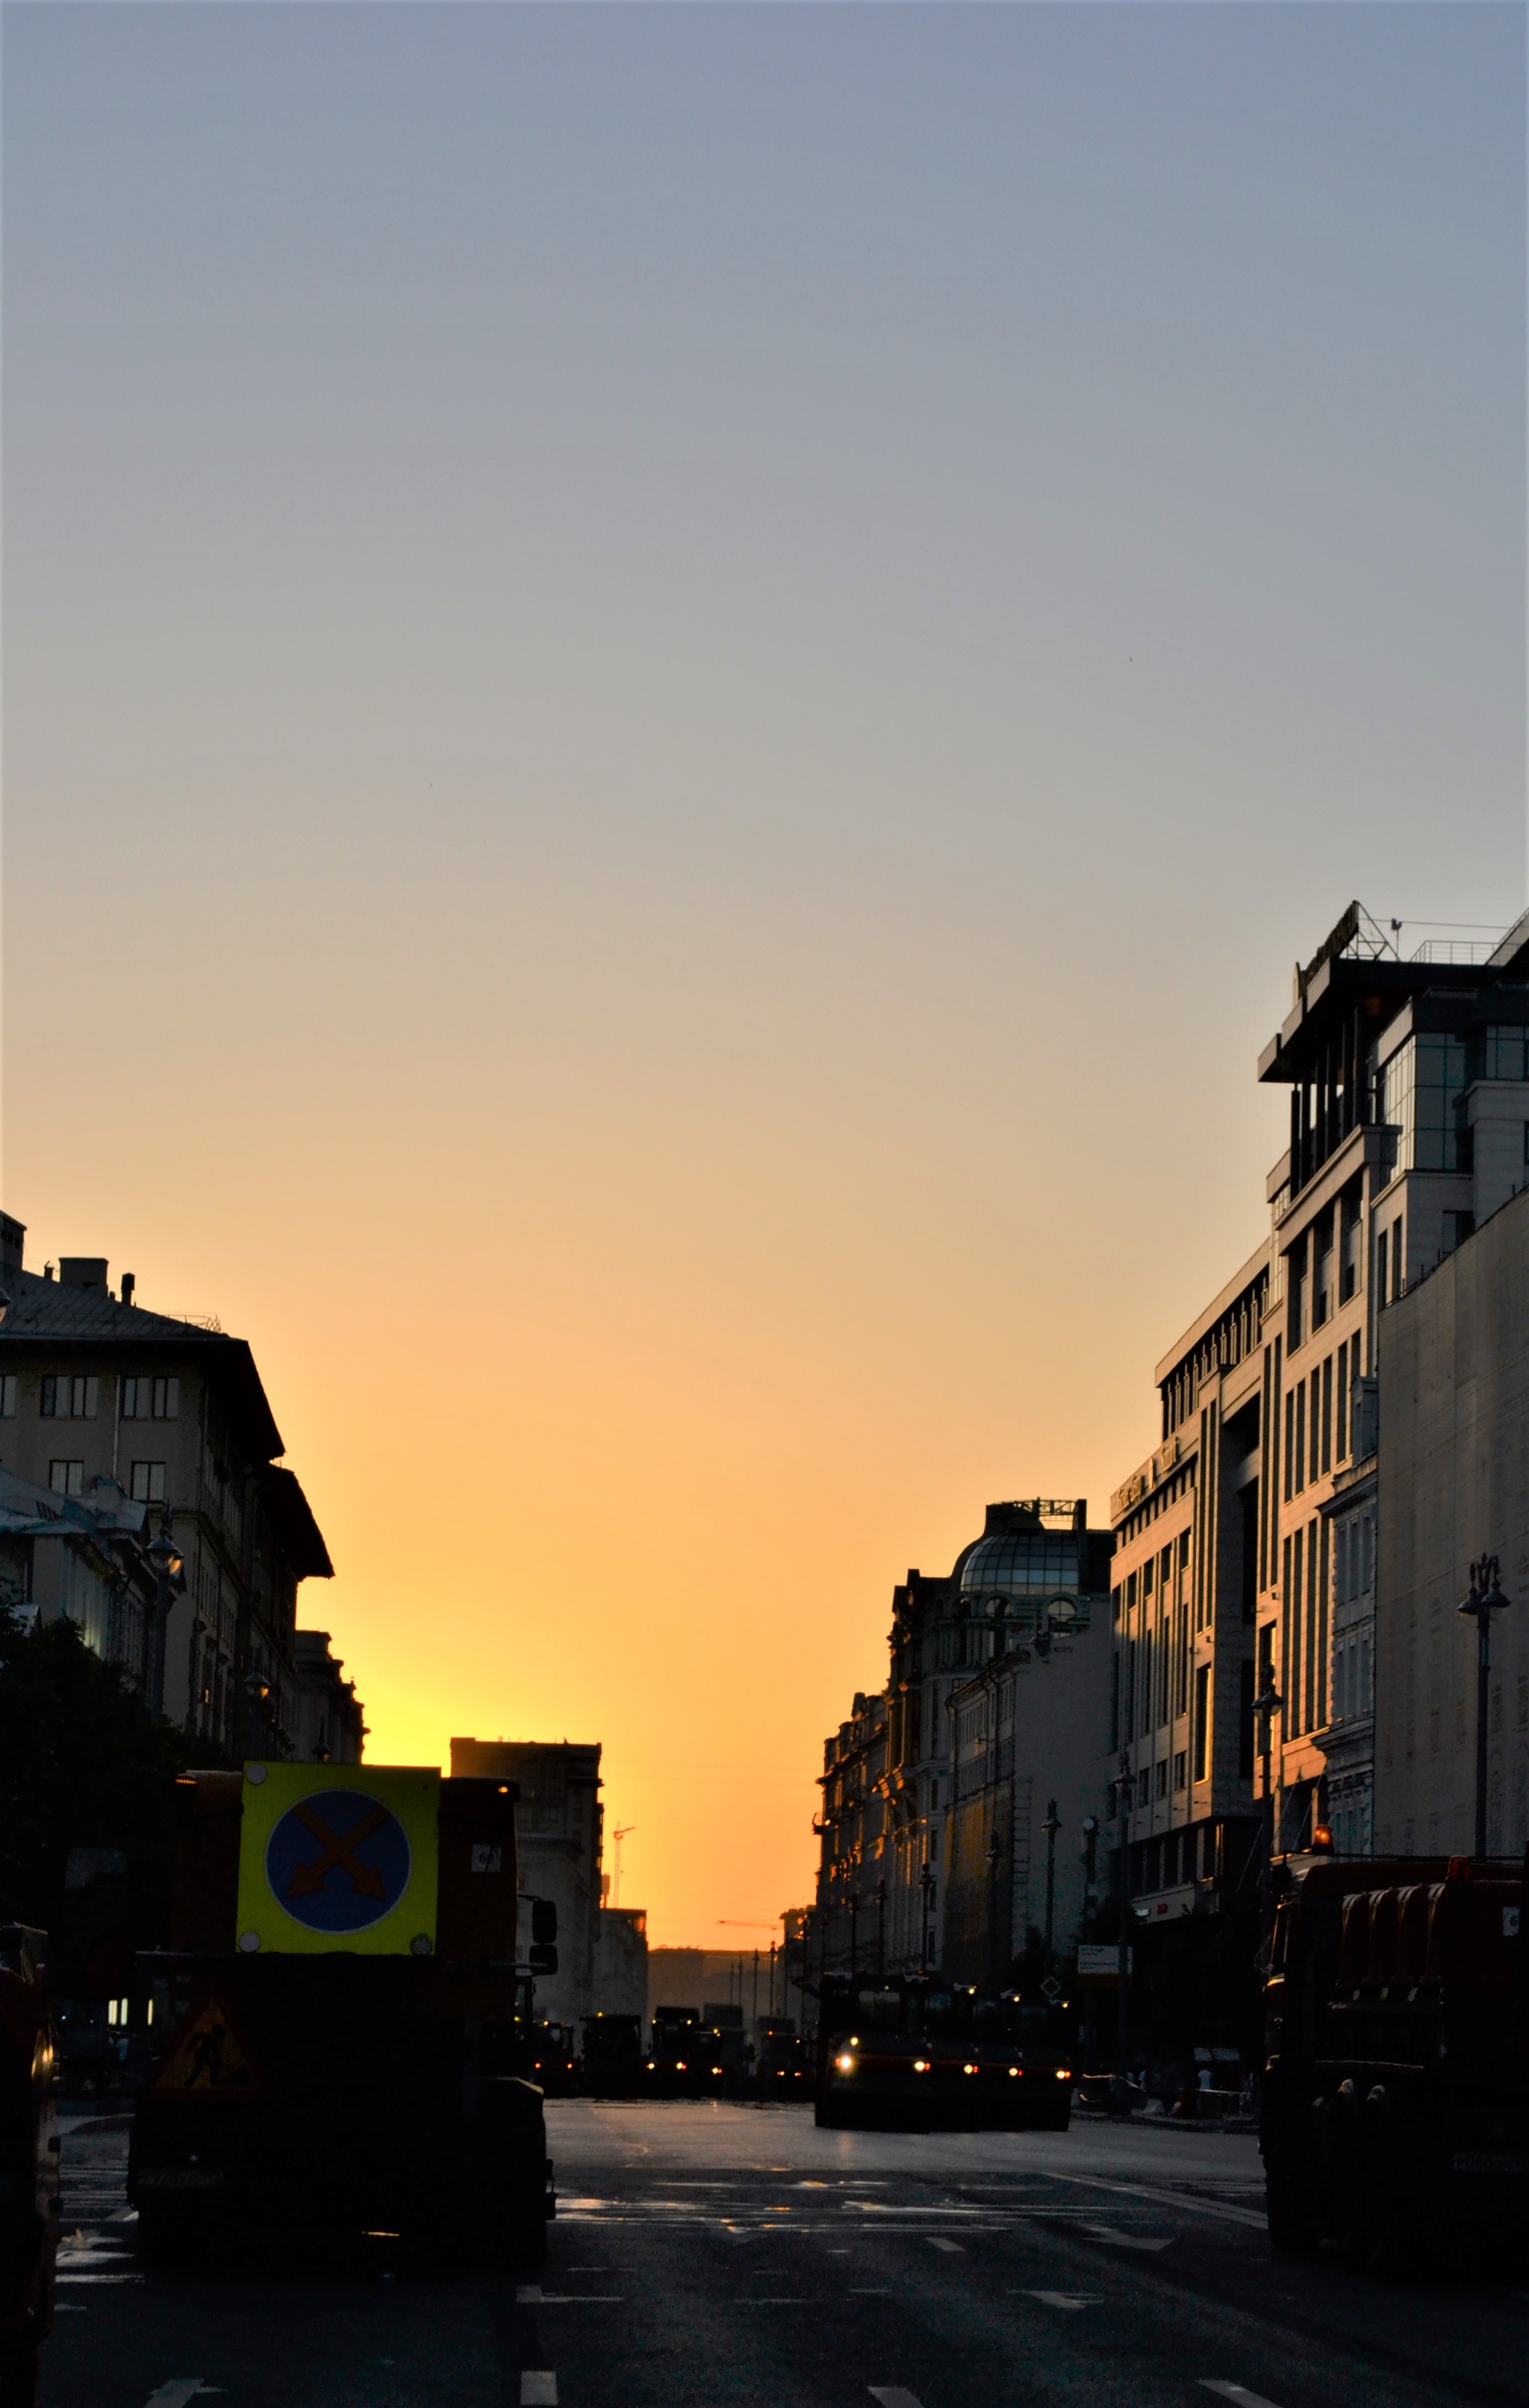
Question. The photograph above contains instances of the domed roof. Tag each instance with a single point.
(1017, 1557)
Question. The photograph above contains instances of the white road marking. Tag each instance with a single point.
(176, 2394)
(890, 2397)
(868, 2295)
(1124, 2240)
(529, 2295)
(1172, 2198)
(101, 2278)
(538, 2389)
(792, 2303)
(1070, 2300)
(953, 2248)
(1238, 2391)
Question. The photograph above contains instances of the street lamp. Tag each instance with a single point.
(1050, 1826)
(1265, 1706)
(880, 1930)
(926, 1883)
(165, 1559)
(1485, 1599)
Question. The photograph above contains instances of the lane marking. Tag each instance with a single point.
(1124, 2240)
(1238, 2391)
(531, 2295)
(1072, 2301)
(793, 2302)
(102, 2278)
(952, 2249)
(1172, 2198)
(868, 2295)
(537, 2387)
(890, 2397)
(176, 2394)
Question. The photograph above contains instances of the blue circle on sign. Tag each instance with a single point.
(338, 1861)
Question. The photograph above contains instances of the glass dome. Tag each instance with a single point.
(1021, 1564)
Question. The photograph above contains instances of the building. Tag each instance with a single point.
(1246, 1543)
(330, 1726)
(102, 1400)
(559, 1824)
(1452, 1485)
(998, 1701)
(82, 1559)
(621, 1961)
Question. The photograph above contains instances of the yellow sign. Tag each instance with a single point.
(339, 1857)
(208, 2059)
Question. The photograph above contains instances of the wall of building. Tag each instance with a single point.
(559, 1828)
(1453, 1484)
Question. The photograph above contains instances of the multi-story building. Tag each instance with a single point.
(559, 1824)
(1245, 1545)
(955, 1752)
(330, 1724)
(101, 1399)
(82, 1559)
(1453, 1485)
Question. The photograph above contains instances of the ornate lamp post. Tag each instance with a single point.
(1122, 1965)
(1050, 1826)
(164, 1557)
(1265, 1706)
(1485, 1599)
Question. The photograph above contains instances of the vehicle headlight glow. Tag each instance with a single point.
(921, 2064)
(844, 2064)
(1064, 2073)
(968, 2069)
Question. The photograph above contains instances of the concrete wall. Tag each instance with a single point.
(1453, 1365)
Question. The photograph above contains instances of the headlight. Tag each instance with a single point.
(921, 2064)
(1064, 2073)
(1014, 2071)
(844, 2064)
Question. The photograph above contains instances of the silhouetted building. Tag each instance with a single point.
(998, 1700)
(621, 1961)
(331, 1729)
(559, 1824)
(100, 1400)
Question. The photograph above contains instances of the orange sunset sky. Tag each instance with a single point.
(678, 684)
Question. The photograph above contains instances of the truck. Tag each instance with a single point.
(917, 2052)
(1394, 2101)
(29, 2153)
(341, 2024)
(685, 2058)
(613, 2055)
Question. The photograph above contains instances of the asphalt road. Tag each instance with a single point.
(710, 2255)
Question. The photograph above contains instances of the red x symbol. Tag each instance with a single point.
(341, 1850)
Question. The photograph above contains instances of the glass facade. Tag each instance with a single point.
(1505, 1053)
(1417, 1091)
(1020, 1564)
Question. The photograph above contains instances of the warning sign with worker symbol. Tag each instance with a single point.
(209, 2058)
(337, 1856)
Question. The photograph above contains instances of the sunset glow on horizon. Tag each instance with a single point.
(678, 686)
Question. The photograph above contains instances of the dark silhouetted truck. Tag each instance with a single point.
(919, 2051)
(1394, 2118)
(341, 2028)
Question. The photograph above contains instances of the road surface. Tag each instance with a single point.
(710, 2255)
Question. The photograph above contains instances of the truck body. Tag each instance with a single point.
(613, 2055)
(364, 2073)
(1395, 2114)
(28, 2162)
(684, 2058)
(918, 2053)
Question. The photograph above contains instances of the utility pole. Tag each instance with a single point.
(1485, 1599)
(1051, 1826)
(1265, 1706)
(1122, 1964)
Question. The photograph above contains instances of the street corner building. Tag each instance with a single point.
(961, 1803)
(142, 1497)
(1341, 1431)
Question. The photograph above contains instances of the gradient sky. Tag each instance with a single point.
(678, 683)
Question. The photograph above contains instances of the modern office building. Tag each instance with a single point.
(1246, 1556)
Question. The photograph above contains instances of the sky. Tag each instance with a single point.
(678, 683)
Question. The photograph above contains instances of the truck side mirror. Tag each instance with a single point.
(543, 1959)
(543, 1921)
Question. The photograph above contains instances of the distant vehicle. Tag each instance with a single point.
(685, 2058)
(782, 2067)
(28, 2162)
(555, 2058)
(1394, 2109)
(612, 2056)
(341, 2029)
(920, 2053)
(733, 2046)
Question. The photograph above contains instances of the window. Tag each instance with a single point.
(1181, 1772)
(1398, 1272)
(1348, 1219)
(67, 1479)
(1300, 1469)
(1244, 1719)
(1161, 1778)
(1144, 1789)
(1202, 1720)
(147, 1399)
(1184, 1552)
(1382, 1245)
(1327, 1420)
(148, 1483)
(7, 1396)
(70, 1396)
(1321, 1283)
(1417, 1091)
(1502, 1054)
(1290, 1437)
(1341, 1447)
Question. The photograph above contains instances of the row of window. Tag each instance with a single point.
(145, 1480)
(76, 1396)
(1305, 1590)
(1316, 1418)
